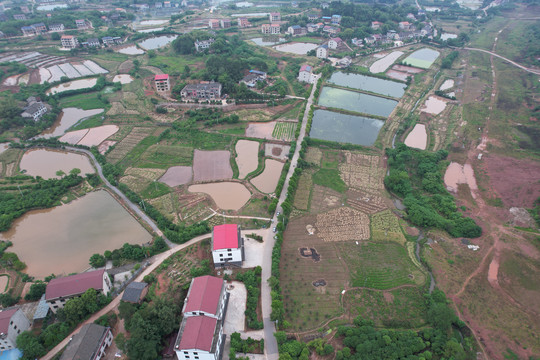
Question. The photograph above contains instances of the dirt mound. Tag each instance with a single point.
(320, 282)
(310, 253)
(515, 180)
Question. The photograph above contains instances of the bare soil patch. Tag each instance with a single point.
(276, 151)
(324, 198)
(310, 253)
(177, 175)
(211, 165)
(261, 130)
(515, 180)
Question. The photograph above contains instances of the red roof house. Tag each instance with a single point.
(5, 317)
(206, 296)
(198, 333)
(161, 77)
(225, 237)
(59, 290)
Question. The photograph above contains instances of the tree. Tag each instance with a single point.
(55, 36)
(36, 290)
(97, 261)
(30, 346)
(75, 171)
(184, 45)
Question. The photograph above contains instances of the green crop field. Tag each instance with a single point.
(284, 131)
(380, 265)
(165, 156)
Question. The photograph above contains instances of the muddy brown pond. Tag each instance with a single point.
(62, 239)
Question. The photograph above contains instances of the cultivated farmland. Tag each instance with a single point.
(284, 131)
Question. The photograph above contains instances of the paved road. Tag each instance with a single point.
(154, 263)
(270, 343)
(533, 71)
(120, 194)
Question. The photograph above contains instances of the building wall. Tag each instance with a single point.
(322, 53)
(106, 343)
(304, 76)
(17, 324)
(162, 85)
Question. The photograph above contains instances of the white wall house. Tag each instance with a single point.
(227, 245)
(60, 290)
(200, 338)
(334, 43)
(201, 331)
(12, 323)
(322, 51)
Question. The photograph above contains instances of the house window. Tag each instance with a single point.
(195, 353)
(11, 323)
(196, 358)
(228, 249)
(220, 255)
(201, 313)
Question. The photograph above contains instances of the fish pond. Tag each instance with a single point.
(368, 83)
(73, 85)
(69, 234)
(357, 102)
(157, 42)
(45, 163)
(332, 126)
(422, 58)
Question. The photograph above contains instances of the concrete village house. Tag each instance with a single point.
(201, 332)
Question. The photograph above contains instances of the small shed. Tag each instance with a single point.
(135, 292)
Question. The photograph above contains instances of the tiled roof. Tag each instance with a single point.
(161, 77)
(5, 317)
(133, 291)
(306, 67)
(74, 284)
(85, 344)
(198, 333)
(225, 237)
(204, 294)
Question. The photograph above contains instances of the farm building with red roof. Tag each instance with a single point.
(60, 290)
(227, 245)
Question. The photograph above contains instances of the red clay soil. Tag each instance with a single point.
(514, 180)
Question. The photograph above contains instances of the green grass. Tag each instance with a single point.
(308, 39)
(380, 265)
(137, 151)
(91, 122)
(111, 56)
(331, 179)
(202, 140)
(403, 308)
(173, 62)
(165, 156)
(85, 101)
(154, 190)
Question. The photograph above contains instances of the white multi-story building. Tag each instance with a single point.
(201, 331)
(12, 323)
(69, 41)
(60, 290)
(306, 75)
(334, 43)
(274, 17)
(270, 29)
(227, 245)
(162, 82)
(322, 52)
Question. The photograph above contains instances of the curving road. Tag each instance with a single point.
(141, 214)
(533, 71)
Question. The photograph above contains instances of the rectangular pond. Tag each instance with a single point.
(332, 126)
(368, 83)
(422, 58)
(357, 102)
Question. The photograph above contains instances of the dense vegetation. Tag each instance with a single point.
(416, 176)
(252, 281)
(148, 324)
(42, 194)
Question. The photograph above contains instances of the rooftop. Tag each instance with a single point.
(225, 237)
(197, 333)
(306, 67)
(74, 284)
(161, 77)
(5, 317)
(204, 294)
(133, 291)
(85, 343)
